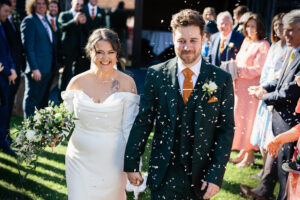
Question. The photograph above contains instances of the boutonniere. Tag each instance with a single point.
(231, 46)
(99, 15)
(209, 88)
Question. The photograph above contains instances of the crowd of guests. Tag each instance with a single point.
(47, 46)
(264, 73)
(266, 92)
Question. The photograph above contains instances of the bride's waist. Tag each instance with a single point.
(97, 130)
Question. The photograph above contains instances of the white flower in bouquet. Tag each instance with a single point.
(37, 117)
(45, 129)
(30, 134)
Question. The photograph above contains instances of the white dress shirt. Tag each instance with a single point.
(90, 9)
(195, 68)
(227, 39)
(46, 25)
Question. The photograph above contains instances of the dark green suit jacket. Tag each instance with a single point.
(91, 25)
(71, 35)
(213, 125)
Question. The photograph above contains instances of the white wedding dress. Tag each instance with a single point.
(95, 153)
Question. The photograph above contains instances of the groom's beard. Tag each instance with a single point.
(189, 57)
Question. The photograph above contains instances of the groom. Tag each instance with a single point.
(193, 127)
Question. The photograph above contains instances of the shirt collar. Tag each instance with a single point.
(90, 6)
(227, 36)
(195, 68)
(49, 17)
(297, 50)
(40, 16)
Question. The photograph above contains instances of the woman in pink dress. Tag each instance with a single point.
(249, 61)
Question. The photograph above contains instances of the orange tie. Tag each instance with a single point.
(53, 24)
(222, 45)
(93, 13)
(187, 84)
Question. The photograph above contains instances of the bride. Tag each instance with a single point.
(105, 101)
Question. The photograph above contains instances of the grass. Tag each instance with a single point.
(48, 181)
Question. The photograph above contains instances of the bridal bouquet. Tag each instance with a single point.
(48, 127)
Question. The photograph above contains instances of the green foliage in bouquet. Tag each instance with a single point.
(48, 127)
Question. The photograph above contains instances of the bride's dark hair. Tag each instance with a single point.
(107, 35)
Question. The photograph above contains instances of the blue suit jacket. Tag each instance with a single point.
(5, 56)
(283, 94)
(40, 52)
(214, 55)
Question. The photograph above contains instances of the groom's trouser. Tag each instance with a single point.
(176, 185)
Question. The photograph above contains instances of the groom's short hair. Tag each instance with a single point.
(187, 17)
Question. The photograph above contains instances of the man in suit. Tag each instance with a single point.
(72, 39)
(7, 76)
(283, 95)
(225, 44)
(13, 36)
(194, 128)
(95, 18)
(40, 48)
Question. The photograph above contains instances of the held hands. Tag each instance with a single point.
(257, 92)
(274, 146)
(12, 77)
(135, 178)
(36, 75)
(211, 191)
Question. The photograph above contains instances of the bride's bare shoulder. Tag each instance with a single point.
(79, 80)
(128, 84)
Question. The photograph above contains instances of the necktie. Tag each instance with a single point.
(93, 13)
(53, 24)
(187, 84)
(47, 27)
(222, 45)
(290, 61)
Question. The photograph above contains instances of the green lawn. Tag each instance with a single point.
(48, 180)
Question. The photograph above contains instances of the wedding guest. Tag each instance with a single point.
(209, 13)
(71, 24)
(283, 95)
(237, 15)
(242, 21)
(13, 36)
(262, 128)
(249, 61)
(105, 101)
(95, 18)
(7, 77)
(225, 44)
(118, 20)
(40, 48)
(209, 29)
(188, 157)
(52, 17)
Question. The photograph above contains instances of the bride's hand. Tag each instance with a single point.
(135, 178)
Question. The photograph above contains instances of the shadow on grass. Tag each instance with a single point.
(54, 156)
(33, 186)
(233, 188)
(42, 175)
(11, 195)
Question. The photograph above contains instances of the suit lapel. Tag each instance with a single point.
(39, 23)
(292, 65)
(200, 98)
(172, 81)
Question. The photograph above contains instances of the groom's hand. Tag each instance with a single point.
(212, 190)
(135, 178)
